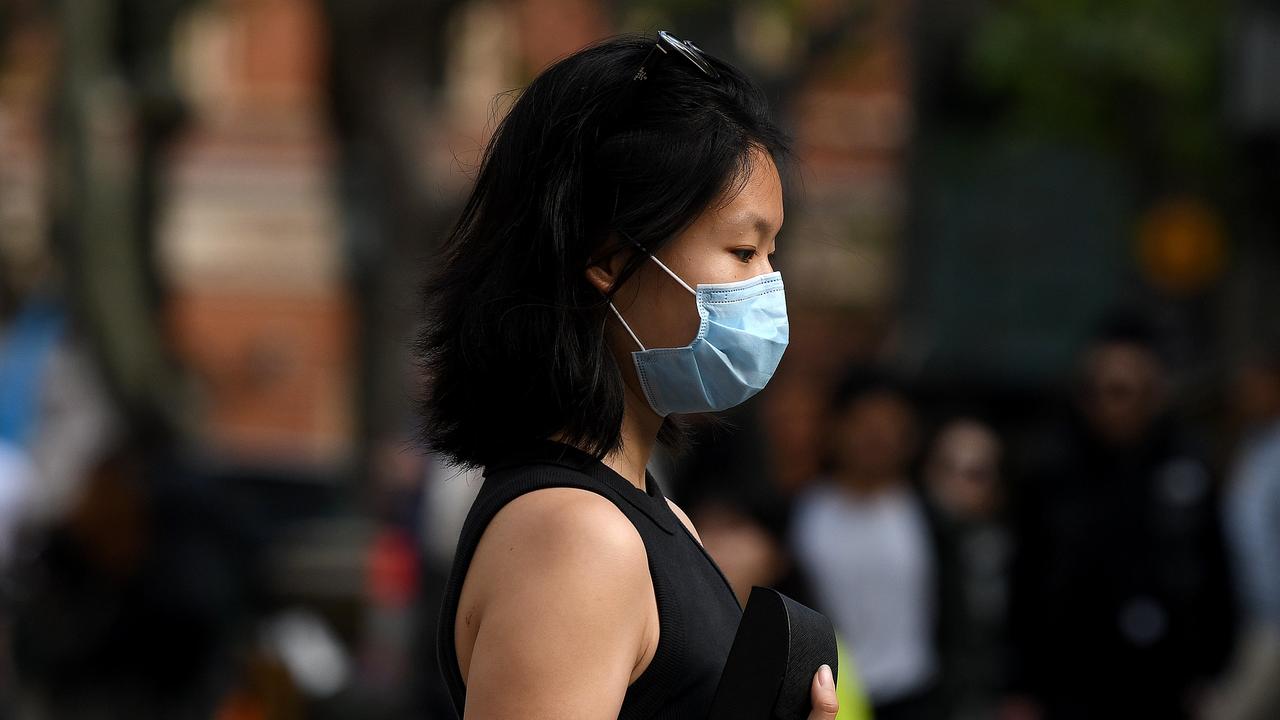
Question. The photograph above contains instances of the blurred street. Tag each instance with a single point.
(1023, 449)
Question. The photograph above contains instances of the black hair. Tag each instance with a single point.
(512, 346)
(861, 381)
(1129, 327)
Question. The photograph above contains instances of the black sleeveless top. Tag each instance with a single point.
(697, 610)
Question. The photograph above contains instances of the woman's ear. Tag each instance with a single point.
(603, 273)
(601, 277)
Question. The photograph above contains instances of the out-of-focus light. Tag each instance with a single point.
(1181, 245)
(393, 569)
(310, 650)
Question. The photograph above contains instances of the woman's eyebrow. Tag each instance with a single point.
(758, 223)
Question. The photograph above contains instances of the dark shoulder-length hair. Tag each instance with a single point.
(512, 345)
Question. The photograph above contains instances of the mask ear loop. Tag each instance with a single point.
(666, 269)
(625, 325)
(614, 308)
(673, 275)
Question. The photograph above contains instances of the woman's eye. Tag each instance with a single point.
(745, 254)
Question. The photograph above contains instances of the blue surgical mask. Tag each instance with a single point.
(740, 341)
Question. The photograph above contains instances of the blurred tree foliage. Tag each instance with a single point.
(780, 43)
(1138, 80)
(115, 108)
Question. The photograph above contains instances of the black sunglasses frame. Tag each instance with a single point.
(668, 44)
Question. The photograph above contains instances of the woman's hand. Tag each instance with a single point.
(823, 692)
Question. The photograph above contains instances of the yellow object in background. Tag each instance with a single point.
(853, 701)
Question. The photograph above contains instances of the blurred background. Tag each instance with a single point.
(1024, 449)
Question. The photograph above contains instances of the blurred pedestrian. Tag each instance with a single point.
(864, 536)
(962, 476)
(133, 605)
(1121, 606)
(55, 417)
(1251, 688)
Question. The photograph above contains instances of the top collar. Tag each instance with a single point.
(652, 503)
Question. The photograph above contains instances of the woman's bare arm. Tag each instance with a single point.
(564, 603)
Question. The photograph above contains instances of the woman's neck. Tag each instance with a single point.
(640, 425)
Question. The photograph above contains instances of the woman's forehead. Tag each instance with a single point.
(756, 202)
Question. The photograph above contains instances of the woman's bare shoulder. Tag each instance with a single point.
(554, 530)
(550, 523)
(560, 606)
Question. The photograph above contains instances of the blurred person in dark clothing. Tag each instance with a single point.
(962, 477)
(131, 604)
(1121, 607)
(865, 536)
(1251, 689)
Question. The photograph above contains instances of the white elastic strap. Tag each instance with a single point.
(673, 275)
(625, 325)
(654, 258)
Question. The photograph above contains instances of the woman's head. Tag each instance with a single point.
(519, 343)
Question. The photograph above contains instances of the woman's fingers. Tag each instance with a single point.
(823, 692)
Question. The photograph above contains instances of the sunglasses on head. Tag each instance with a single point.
(669, 44)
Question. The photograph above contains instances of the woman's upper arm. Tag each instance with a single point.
(563, 620)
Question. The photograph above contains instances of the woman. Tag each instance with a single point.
(610, 269)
